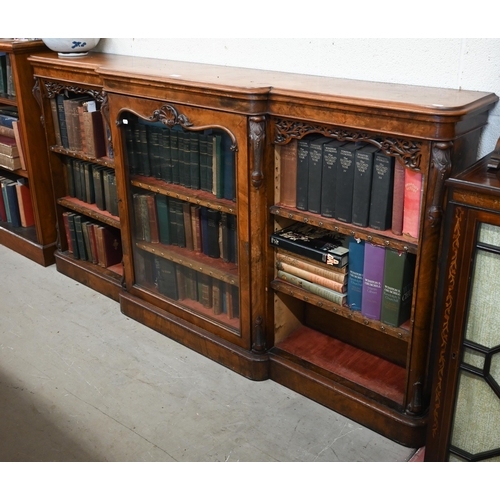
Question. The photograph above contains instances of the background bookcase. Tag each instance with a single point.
(37, 242)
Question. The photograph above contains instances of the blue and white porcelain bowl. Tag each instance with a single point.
(71, 47)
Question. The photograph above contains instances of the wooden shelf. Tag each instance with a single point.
(363, 371)
(90, 210)
(197, 197)
(383, 238)
(105, 281)
(104, 161)
(281, 286)
(216, 268)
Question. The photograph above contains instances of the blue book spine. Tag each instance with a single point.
(355, 277)
(229, 169)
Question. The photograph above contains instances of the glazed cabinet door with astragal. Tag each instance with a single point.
(185, 215)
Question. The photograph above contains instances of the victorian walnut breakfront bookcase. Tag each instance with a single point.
(228, 300)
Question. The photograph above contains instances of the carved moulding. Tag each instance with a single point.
(170, 117)
(439, 172)
(410, 152)
(257, 134)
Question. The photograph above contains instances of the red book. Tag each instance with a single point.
(412, 201)
(3, 213)
(398, 198)
(66, 227)
(25, 205)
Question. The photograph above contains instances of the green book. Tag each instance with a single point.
(163, 218)
(397, 291)
(217, 167)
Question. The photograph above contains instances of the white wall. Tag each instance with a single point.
(460, 63)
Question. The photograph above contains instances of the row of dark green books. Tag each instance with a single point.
(181, 283)
(380, 282)
(163, 219)
(352, 182)
(91, 241)
(7, 86)
(196, 160)
(92, 183)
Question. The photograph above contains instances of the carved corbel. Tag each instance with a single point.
(440, 170)
(257, 134)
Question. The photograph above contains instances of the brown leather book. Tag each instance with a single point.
(188, 228)
(288, 174)
(398, 199)
(93, 127)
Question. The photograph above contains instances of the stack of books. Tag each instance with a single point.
(313, 259)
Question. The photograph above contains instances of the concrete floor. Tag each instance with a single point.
(79, 381)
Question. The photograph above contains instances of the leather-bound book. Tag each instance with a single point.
(412, 202)
(373, 279)
(66, 230)
(398, 198)
(94, 133)
(79, 220)
(196, 227)
(229, 168)
(97, 175)
(154, 152)
(225, 251)
(302, 182)
(345, 182)
(217, 166)
(204, 163)
(144, 167)
(165, 155)
(188, 226)
(25, 205)
(152, 218)
(329, 178)
(163, 218)
(315, 174)
(206, 290)
(63, 129)
(399, 274)
(213, 219)
(362, 186)
(55, 120)
(194, 160)
(174, 155)
(167, 278)
(355, 276)
(288, 173)
(72, 235)
(381, 198)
